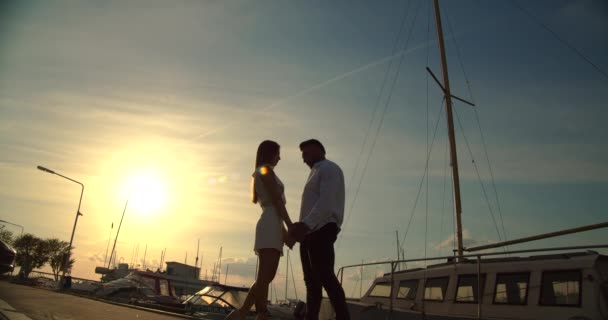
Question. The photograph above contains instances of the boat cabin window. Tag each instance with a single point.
(164, 287)
(561, 288)
(467, 290)
(435, 288)
(407, 289)
(381, 290)
(511, 288)
(149, 282)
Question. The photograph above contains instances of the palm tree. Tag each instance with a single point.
(32, 253)
(58, 250)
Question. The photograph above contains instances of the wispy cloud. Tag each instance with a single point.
(467, 241)
(98, 91)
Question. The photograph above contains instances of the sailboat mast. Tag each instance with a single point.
(117, 232)
(451, 136)
(198, 246)
(286, 275)
(145, 252)
(219, 267)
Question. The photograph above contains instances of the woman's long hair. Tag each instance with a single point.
(266, 151)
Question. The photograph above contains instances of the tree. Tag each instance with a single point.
(58, 250)
(32, 252)
(5, 235)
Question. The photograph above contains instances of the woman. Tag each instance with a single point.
(270, 233)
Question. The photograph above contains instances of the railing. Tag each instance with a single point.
(499, 244)
(42, 274)
(452, 259)
(540, 236)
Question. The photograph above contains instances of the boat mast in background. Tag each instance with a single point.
(450, 119)
(287, 275)
(117, 232)
(198, 251)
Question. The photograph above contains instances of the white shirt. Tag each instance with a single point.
(323, 196)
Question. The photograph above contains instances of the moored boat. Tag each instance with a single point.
(569, 283)
(548, 286)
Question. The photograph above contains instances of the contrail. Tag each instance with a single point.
(315, 87)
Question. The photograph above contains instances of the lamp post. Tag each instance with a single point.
(67, 257)
(2, 221)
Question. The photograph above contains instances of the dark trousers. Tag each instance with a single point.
(317, 255)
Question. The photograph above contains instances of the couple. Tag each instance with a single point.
(321, 214)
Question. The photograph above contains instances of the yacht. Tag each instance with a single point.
(569, 283)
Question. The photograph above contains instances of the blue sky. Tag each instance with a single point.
(187, 89)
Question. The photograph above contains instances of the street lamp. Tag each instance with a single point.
(67, 257)
(2, 221)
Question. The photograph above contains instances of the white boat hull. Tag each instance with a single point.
(567, 286)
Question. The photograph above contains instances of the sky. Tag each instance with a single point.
(163, 103)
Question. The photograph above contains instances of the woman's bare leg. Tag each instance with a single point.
(258, 294)
(269, 262)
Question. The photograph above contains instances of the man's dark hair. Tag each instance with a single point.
(312, 142)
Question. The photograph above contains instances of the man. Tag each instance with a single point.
(321, 215)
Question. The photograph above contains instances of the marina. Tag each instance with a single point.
(466, 149)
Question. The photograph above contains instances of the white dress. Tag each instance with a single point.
(268, 231)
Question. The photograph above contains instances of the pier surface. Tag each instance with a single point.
(23, 302)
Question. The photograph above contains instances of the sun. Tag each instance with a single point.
(147, 192)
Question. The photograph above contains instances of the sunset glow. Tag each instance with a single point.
(148, 192)
(159, 110)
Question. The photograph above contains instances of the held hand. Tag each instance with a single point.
(298, 231)
(289, 240)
